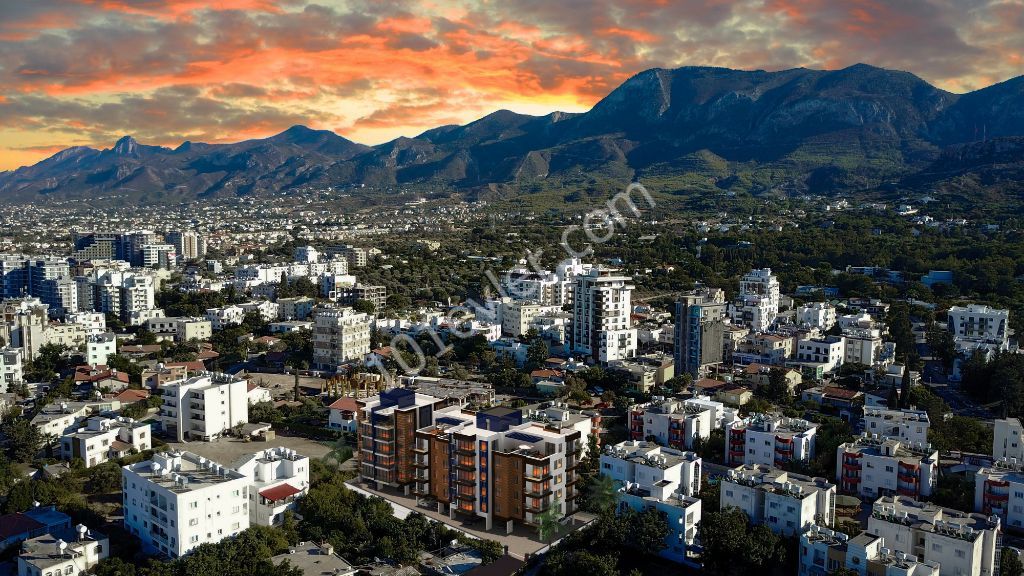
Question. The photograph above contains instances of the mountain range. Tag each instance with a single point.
(795, 130)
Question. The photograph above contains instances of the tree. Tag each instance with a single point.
(364, 306)
(547, 522)
(1010, 564)
(893, 401)
(602, 494)
(23, 439)
(536, 353)
(732, 547)
(905, 387)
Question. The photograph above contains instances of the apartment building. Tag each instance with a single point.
(864, 346)
(11, 369)
(678, 423)
(68, 551)
(979, 323)
(225, 316)
(769, 440)
(823, 551)
(180, 500)
(757, 303)
(699, 332)
(60, 417)
(159, 256)
(279, 477)
(1007, 443)
(68, 335)
(376, 295)
(187, 245)
(961, 544)
(387, 434)
(91, 322)
(909, 426)
(497, 465)
(103, 439)
(340, 335)
(820, 315)
(785, 502)
(600, 327)
(874, 465)
(99, 347)
(772, 349)
(518, 315)
(267, 310)
(826, 353)
(297, 308)
(648, 475)
(999, 491)
(204, 407)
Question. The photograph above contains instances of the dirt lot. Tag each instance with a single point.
(228, 450)
(281, 385)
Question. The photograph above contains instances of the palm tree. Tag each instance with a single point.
(340, 452)
(603, 494)
(547, 522)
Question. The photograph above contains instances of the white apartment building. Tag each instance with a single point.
(92, 322)
(979, 323)
(1007, 443)
(11, 369)
(677, 423)
(225, 316)
(306, 254)
(757, 304)
(961, 544)
(873, 466)
(600, 327)
(823, 551)
(820, 315)
(340, 335)
(69, 335)
(204, 407)
(99, 347)
(159, 256)
(63, 552)
(908, 426)
(181, 329)
(517, 316)
(864, 346)
(298, 308)
(103, 439)
(769, 440)
(999, 491)
(785, 502)
(267, 310)
(180, 500)
(60, 417)
(827, 353)
(279, 477)
(667, 479)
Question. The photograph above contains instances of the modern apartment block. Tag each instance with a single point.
(961, 544)
(757, 304)
(188, 245)
(387, 434)
(1007, 441)
(769, 440)
(204, 407)
(823, 551)
(297, 308)
(649, 475)
(497, 465)
(279, 477)
(820, 315)
(179, 500)
(181, 329)
(376, 295)
(678, 423)
(826, 352)
(99, 347)
(11, 368)
(699, 332)
(873, 466)
(785, 502)
(999, 491)
(600, 327)
(979, 323)
(103, 439)
(340, 335)
(908, 426)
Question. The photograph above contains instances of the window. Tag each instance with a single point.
(936, 548)
(959, 553)
(193, 522)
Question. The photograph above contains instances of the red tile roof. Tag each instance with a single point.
(132, 395)
(344, 403)
(843, 393)
(193, 366)
(709, 384)
(279, 492)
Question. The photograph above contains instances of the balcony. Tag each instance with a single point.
(465, 464)
(537, 506)
(537, 490)
(537, 474)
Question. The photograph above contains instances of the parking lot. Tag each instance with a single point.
(228, 450)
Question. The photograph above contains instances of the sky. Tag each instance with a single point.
(86, 72)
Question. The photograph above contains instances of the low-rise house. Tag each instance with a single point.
(342, 414)
(103, 439)
(786, 502)
(60, 417)
(734, 395)
(20, 526)
(910, 425)
(315, 560)
(257, 393)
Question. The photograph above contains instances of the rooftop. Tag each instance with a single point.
(314, 560)
(933, 518)
(181, 472)
(47, 550)
(776, 480)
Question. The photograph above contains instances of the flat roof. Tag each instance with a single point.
(313, 560)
